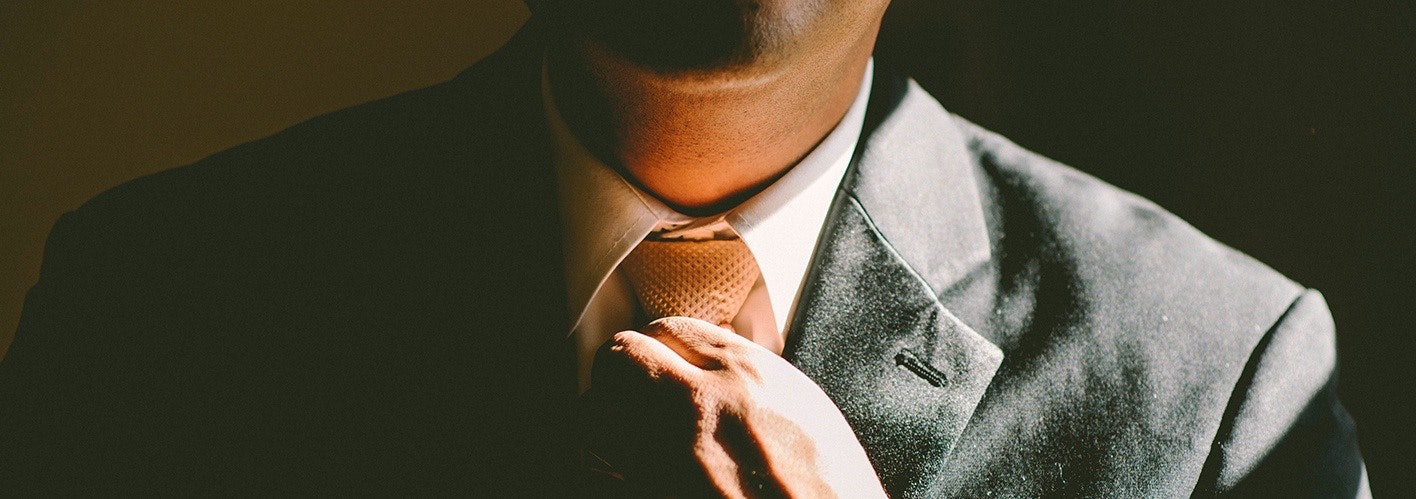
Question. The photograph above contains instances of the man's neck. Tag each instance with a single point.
(702, 144)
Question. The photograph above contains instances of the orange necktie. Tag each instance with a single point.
(706, 280)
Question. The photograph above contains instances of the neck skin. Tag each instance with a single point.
(703, 143)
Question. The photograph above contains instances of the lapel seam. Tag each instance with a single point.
(884, 241)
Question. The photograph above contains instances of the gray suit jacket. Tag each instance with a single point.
(358, 304)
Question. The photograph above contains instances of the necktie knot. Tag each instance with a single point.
(706, 280)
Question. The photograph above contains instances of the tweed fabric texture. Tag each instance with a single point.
(871, 326)
(706, 280)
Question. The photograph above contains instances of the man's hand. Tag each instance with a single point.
(749, 421)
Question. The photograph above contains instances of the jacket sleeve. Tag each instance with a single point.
(1285, 433)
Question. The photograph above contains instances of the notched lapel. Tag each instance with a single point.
(906, 372)
(869, 328)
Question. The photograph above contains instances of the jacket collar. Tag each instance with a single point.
(907, 224)
(916, 179)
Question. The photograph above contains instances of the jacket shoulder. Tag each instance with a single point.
(1133, 321)
(1123, 253)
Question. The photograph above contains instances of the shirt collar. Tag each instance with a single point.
(605, 216)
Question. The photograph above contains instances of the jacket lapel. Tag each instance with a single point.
(906, 224)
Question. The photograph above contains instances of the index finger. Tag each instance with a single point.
(700, 342)
(652, 355)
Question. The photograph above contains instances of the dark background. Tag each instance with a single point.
(1281, 128)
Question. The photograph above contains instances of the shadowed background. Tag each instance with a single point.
(1284, 130)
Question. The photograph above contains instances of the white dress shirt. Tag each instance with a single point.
(604, 217)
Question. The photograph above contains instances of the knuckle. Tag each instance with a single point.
(660, 327)
(734, 354)
(744, 367)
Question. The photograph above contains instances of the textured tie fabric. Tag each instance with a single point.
(706, 280)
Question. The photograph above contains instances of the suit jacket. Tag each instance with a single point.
(369, 302)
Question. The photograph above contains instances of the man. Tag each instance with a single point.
(460, 289)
